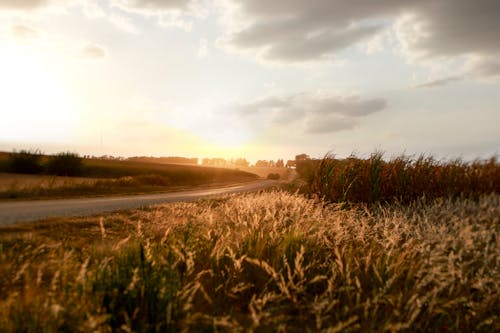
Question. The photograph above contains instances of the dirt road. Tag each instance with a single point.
(23, 211)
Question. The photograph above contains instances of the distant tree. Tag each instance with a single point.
(280, 163)
(262, 164)
(241, 162)
(65, 164)
(302, 157)
(273, 176)
(25, 161)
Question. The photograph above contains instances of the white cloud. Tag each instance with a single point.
(203, 48)
(24, 32)
(123, 22)
(93, 51)
(153, 5)
(170, 13)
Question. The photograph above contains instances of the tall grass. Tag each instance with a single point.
(257, 263)
(402, 178)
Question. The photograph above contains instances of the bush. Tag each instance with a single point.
(273, 176)
(25, 161)
(65, 164)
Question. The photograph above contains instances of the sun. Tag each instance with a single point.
(34, 104)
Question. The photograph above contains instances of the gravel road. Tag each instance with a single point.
(24, 211)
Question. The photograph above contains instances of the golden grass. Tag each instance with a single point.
(12, 181)
(261, 262)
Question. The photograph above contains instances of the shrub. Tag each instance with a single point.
(25, 161)
(65, 164)
(273, 176)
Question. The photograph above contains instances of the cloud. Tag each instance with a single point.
(93, 51)
(486, 67)
(153, 5)
(306, 31)
(24, 32)
(449, 28)
(440, 82)
(123, 22)
(303, 31)
(322, 113)
(32, 5)
(203, 48)
(171, 13)
(321, 125)
(23, 4)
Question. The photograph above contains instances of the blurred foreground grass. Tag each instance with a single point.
(262, 262)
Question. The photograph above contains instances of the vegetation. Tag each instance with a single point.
(65, 164)
(24, 161)
(273, 176)
(115, 176)
(257, 263)
(402, 178)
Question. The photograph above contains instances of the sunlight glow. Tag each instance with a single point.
(34, 105)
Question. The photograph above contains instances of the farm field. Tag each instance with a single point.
(22, 181)
(113, 177)
(265, 262)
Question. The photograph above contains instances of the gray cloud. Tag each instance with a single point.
(440, 82)
(23, 4)
(487, 67)
(296, 31)
(93, 51)
(24, 32)
(451, 27)
(322, 113)
(320, 125)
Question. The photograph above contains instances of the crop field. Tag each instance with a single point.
(401, 179)
(264, 262)
(10, 181)
(107, 177)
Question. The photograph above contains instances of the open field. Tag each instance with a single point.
(114, 177)
(26, 182)
(257, 263)
(263, 172)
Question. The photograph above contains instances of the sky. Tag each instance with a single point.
(251, 78)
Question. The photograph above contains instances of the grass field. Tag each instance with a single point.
(261, 262)
(9, 181)
(109, 177)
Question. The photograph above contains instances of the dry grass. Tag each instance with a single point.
(268, 262)
(12, 181)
